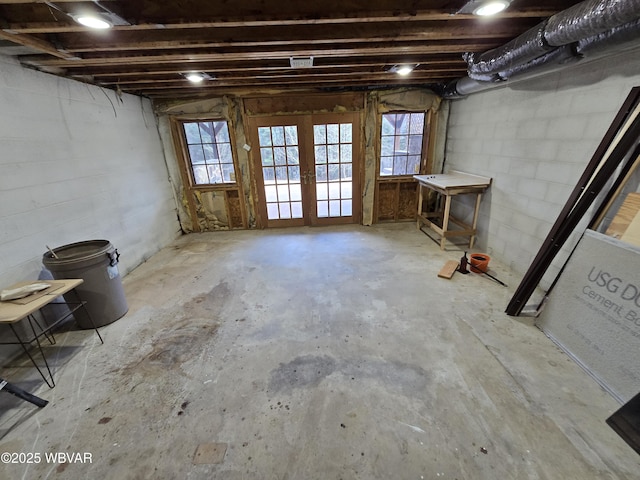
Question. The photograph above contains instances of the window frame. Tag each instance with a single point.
(179, 123)
(424, 151)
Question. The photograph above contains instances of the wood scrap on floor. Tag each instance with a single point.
(448, 269)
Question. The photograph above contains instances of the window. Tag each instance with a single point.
(401, 143)
(209, 151)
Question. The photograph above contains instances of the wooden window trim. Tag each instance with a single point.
(182, 151)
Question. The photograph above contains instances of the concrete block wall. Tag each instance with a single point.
(77, 163)
(534, 138)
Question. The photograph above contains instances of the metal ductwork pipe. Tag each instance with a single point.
(589, 18)
(526, 47)
(625, 36)
(587, 29)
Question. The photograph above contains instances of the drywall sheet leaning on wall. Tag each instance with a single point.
(594, 312)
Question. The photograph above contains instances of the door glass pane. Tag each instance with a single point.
(277, 135)
(296, 192)
(285, 210)
(334, 208)
(291, 135)
(321, 154)
(334, 182)
(321, 191)
(320, 134)
(282, 190)
(296, 209)
(271, 193)
(283, 193)
(264, 136)
(323, 209)
(346, 208)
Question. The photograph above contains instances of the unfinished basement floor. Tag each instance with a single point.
(313, 353)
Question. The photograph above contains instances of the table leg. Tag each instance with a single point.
(49, 336)
(26, 350)
(475, 221)
(445, 220)
(420, 199)
(86, 310)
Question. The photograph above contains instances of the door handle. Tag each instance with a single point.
(307, 176)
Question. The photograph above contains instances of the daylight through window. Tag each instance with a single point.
(210, 152)
(401, 143)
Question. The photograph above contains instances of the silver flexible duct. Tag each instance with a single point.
(582, 31)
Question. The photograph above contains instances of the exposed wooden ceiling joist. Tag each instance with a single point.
(248, 43)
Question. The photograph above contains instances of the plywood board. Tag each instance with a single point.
(632, 234)
(387, 200)
(407, 200)
(625, 217)
(448, 269)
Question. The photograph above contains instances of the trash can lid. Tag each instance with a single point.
(78, 251)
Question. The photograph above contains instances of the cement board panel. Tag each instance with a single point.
(594, 312)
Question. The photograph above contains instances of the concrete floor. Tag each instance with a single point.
(327, 353)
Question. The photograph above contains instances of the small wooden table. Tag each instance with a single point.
(449, 185)
(12, 312)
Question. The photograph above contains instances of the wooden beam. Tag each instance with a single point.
(37, 44)
(173, 45)
(391, 50)
(266, 20)
(293, 75)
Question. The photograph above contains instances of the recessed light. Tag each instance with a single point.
(491, 7)
(194, 77)
(93, 21)
(197, 77)
(403, 70)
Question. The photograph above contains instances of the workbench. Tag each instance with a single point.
(14, 311)
(448, 185)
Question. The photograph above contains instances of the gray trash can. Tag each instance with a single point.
(96, 262)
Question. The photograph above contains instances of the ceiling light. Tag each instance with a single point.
(491, 7)
(197, 77)
(194, 77)
(403, 70)
(93, 21)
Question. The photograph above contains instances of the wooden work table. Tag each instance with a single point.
(448, 185)
(12, 312)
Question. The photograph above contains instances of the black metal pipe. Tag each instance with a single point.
(20, 393)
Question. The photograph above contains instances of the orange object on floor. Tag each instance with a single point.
(479, 262)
